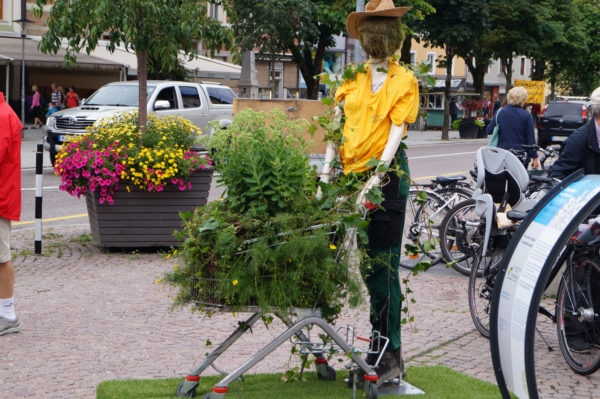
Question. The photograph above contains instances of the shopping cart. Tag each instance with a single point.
(299, 323)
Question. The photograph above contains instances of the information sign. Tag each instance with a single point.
(523, 275)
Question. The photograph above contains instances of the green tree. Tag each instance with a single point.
(457, 26)
(566, 47)
(412, 23)
(151, 28)
(304, 28)
(517, 29)
(582, 75)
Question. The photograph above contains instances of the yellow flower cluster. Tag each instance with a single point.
(153, 167)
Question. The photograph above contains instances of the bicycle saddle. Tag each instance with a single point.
(516, 216)
(445, 180)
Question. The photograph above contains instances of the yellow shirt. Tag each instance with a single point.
(369, 116)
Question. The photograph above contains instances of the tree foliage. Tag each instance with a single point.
(577, 66)
(303, 28)
(159, 29)
(458, 26)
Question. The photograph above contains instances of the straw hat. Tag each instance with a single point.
(374, 8)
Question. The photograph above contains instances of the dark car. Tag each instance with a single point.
(559, 119)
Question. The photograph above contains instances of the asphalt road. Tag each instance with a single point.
(59, 208)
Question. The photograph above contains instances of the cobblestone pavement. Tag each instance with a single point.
(89, 316)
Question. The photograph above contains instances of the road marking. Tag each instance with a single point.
(82, 215)
(441, 155)
(43, 188)
(445, 174)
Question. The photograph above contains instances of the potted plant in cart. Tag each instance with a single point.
(135, 185)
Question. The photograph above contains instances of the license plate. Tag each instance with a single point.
(62, 138)
(559, 138)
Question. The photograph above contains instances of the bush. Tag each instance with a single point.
(257, 246)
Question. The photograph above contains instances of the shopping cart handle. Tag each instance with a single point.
(363, 339)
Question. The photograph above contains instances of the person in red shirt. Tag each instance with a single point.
(72, 98)
(10, 209)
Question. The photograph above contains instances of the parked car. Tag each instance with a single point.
(201, 103)
(559, 119)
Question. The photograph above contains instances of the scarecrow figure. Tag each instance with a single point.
(376, 104)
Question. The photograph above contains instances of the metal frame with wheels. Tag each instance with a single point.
(187, 388)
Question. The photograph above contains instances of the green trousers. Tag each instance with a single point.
(380, 270)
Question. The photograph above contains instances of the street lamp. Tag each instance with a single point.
(23, 21)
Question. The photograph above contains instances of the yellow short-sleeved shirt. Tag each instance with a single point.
(369, 116)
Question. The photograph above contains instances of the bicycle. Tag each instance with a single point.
(425, 209)
(576, 306)
(465, 226)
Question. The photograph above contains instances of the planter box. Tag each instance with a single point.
(139, 219)
(468, 132)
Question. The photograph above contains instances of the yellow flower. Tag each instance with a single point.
(234, 282)
(332, 247)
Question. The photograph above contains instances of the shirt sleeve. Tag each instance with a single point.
(406, 107)
(341, 92)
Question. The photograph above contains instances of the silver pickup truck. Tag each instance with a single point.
(201, 103)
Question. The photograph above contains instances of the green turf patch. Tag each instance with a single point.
(436, 381)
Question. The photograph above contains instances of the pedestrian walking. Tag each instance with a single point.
(36, 107)
(72, 97)
(516, 124)
(453, 110)
(10, 209)
(58, 97)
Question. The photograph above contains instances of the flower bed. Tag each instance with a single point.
(115, 152)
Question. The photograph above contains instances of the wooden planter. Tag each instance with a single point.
(140, 219)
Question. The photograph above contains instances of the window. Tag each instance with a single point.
(433, 101)
(190, 97)
(431, 62)
(220, 95)
(413, 58)
(522, 65)
(168, 94)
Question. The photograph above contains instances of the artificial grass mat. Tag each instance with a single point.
(436, 381)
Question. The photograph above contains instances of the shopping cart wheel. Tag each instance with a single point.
(372, 394)
(186, 392)
(325, 372)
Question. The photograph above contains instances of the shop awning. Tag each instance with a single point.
(200, 67)
(455, 84)
(11, 51)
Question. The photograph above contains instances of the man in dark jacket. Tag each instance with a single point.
(581, 149)
(10, 209)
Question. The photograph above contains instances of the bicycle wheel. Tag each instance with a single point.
(459, 236)
(420, 226)
(481, 287)
(577, 320)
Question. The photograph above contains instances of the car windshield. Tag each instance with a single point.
(563, 110)
(121, 95)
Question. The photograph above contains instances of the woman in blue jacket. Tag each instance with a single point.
(516, 124)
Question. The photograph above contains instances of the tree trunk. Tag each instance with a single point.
(142, 61)
(446, 124)
(478, 74)
(539, 70)
(405, 51)
(508, 64)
